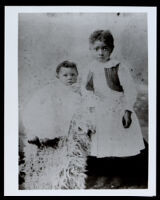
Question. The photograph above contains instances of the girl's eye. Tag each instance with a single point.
(105, 49)
(65, 75)
(96, 48)
(72, 74)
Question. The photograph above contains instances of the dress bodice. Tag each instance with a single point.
(112, 79)
(105, 71)
(104, 81)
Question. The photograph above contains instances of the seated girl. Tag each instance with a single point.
(57, 119)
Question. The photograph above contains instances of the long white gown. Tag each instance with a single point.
(111, 138)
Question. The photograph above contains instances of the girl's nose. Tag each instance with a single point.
(69, 77)
(100, 52)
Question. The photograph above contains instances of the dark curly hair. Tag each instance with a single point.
(66, 64)
(103, 36)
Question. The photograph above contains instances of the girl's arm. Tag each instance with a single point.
(129, 87)
(87, 83)
(87, 88)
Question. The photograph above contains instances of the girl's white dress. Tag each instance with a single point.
(114, 92)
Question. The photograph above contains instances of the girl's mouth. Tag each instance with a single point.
(70, 82)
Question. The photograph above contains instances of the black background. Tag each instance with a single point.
(150, 3)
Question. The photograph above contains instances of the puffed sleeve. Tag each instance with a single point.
(129, 87)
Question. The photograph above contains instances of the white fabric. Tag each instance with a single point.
(49, 112)
(111, 138)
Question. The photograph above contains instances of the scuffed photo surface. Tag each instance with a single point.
(47, 39)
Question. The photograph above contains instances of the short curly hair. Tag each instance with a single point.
(66, 64)
(103, 36)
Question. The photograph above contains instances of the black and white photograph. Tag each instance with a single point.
(83, 101)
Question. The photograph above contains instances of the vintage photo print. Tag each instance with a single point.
(80, 93)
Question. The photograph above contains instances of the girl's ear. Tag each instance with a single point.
(110, 52)
(57, 76)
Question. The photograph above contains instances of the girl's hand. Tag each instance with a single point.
(50, 142)
(126, 120)
(44, 140)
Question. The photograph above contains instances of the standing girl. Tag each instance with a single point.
(118, 132)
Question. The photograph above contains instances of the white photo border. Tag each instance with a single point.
(11, 100)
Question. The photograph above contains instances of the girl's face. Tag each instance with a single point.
(68, 76)
(100, 51)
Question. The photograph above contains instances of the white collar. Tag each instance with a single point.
(110, 63)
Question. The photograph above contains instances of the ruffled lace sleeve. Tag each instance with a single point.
(129, 87)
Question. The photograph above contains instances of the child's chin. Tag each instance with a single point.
(101, 59)
(69, 84)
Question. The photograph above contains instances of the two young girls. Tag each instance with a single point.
(110, 125)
